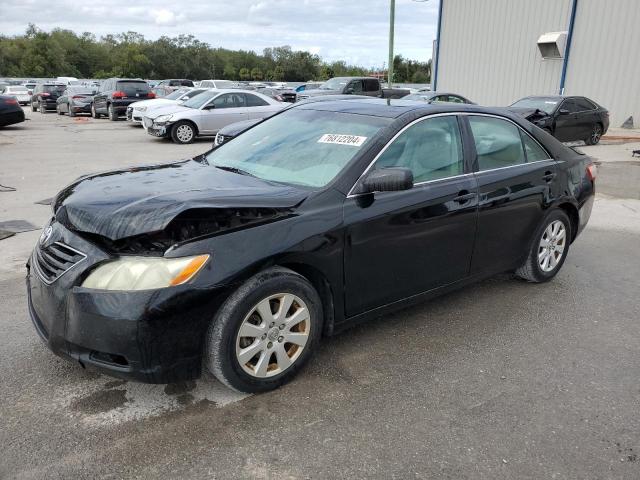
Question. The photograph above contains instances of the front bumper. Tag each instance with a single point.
(154, 129)
(151, 336)
(134, 115)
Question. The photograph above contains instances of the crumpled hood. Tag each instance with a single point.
(166, 109)
(135, 201)
(529, 113)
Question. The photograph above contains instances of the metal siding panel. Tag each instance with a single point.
(488, 49)
(605, 58)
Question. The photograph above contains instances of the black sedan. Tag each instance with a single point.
(437, 97)
(74, 100)
(569, 119)
(317, 218)
(10, 111)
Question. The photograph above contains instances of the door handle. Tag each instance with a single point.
(548, 176)
(463, 197)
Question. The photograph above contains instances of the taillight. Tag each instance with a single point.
(118, 94)
(45, 94)
(75, 97)
(592, 172)
(11, 101)
(151, 95)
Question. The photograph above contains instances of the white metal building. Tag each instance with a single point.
(497, 51)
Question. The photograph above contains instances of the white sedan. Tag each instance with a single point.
(137, 110)
(20, 92)
(207, 113)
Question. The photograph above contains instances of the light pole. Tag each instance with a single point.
(392, 20)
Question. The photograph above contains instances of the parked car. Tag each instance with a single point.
(30, 86)
(233, 130)
(368, 86)
(219, 84)
(176, 83)
(19, 91)
(279, 94)
(68, 80)
(10, 111)
(45, 96)
(318, 218)
(74, 100)
(137, 110)
(207, 113)
(438, 97)
(308, 86)
(567, 118)
(116, 94)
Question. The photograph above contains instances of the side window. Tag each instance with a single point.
(356, 85)
(439, 99)
(498, 143)
(455, 99)
(584, 104)
(229, 100)
(371, 85)
(253, 101)
(569, 105)
(533, 151)
(431, 149)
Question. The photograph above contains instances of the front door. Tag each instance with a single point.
(403, 243)
(515, 177)
(223, 110)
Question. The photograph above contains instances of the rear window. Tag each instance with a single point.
(82, 91)
(131, 88)
(54, 88)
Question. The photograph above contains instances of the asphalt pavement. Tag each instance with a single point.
(501, 380)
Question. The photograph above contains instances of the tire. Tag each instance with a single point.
(58, 110)
(113, 116)
(43, 109)
(180, 132)
(533, 269)
(595, 136)
(94, 113)
(33, 107)
(223, 343)
(70, 112)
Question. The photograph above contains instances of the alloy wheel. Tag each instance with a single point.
(552, 245)
(273, 335)
(184, 133)
(597, 133)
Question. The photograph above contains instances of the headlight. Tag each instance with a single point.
(162, 119)
(144, 273)
(140, 109)
(219, 139)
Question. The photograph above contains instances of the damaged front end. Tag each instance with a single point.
(191, 225)
(534, 115)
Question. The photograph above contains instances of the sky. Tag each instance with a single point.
(354, 31)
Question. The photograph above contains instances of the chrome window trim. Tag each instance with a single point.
(42, 276)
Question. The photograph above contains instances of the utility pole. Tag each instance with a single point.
(392, 19)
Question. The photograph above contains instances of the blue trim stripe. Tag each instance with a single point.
(434, 84)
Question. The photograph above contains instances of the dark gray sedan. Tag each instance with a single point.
(74, 100)
(438, 97)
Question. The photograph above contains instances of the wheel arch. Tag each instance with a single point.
(572, 212)
(189, 121)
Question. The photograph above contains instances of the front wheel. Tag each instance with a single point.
(183, 132)
(113, 115)
(265, 331)
(596, 135)
(548, 250)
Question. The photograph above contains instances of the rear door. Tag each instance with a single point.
(403, 243)
(100, 99)
(587, 117)
(223, 110)
(515, 185)
(257, 107)
(372, 87)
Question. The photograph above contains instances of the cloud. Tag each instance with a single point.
(356, 32)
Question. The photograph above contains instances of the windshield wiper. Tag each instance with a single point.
(234, 170)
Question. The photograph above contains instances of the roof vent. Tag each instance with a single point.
(552, 44)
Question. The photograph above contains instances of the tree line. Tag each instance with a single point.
(64, 53)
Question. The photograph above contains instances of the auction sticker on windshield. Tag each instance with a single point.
(353, 140)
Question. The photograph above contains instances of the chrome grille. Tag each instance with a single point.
(55, 260)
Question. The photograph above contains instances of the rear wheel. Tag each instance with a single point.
(183, 132)
(58, 111)
(265, 331)
(33, 107)
(94, 113)
(113, 116)
(549, 248)
(70, 111)
(595, 136)
(43, 109)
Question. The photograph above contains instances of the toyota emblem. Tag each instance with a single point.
(46, 235)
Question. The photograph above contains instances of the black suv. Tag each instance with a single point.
(45, 96)
(116, 94)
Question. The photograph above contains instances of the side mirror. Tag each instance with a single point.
(211, 106)
(391, 179)
(349, 90)
(564, 111)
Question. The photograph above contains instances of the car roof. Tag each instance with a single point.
(388, 108)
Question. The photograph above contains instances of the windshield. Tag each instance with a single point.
(175, 95)
(299, 146)
(546, 104)
(417, 96)
(199, 100)
(337, 83)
